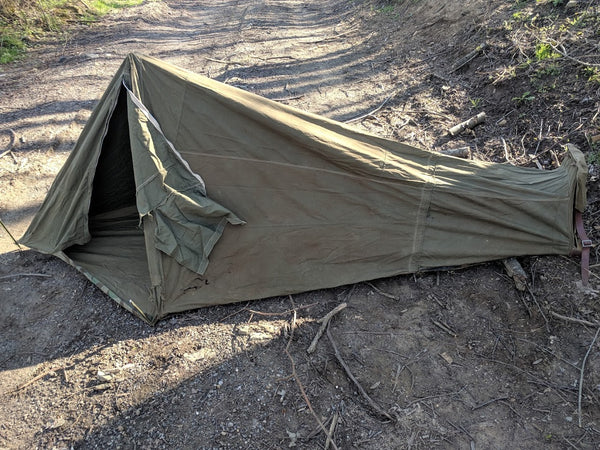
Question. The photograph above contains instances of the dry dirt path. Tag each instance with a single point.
(458, 359)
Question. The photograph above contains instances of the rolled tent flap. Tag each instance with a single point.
(170, 159)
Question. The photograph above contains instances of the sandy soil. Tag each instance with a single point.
(455, 359)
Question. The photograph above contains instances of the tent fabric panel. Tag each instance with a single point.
(325, 205)
(70, 193)
(115, 257)
(188, 223)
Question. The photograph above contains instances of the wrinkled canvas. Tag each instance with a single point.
(184, 192)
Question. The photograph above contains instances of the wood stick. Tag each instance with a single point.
(9, 147)
(222, 61)
(468, 57)
(14, 275)
(334, 422)
(324, 323)
(539, 307)
(285, 99)
(470, 123)
(378, 409)
(299, 384)
(574, 320)
(370, 113)
(581, 375)
(260, 313)
(36, 378)
(489, 402)
(564, 54)
(445, 328)
(380, 292)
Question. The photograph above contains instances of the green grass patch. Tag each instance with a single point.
(23, 21)
(11, 46)
(545, 51)
(592, 74)
(105, 6)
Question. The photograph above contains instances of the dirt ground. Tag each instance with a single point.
(450, 359)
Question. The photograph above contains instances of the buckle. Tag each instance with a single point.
(587, 243)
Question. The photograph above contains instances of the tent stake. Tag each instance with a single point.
(11, 236)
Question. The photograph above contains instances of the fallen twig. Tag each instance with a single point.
(378, 409)
(539, 307)
(260, 313)
(529, 313)
(334, 422)
(285, 99)
(470, 123)
(36, 378)
(445, 328)
(468, 57)
(15, 275)
(325, 321)
(564, 54)
(380, 292)
(223, 61)
(370, 113)
(506, 155)
(574, 319)
(9, 147)
(579, 394)
(429, 397)
(299, 384)
(481, 405)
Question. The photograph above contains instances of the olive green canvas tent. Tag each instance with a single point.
(183, 192)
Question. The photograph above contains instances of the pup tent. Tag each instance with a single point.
(183, 192)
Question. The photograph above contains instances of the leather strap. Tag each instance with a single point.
(586, 244)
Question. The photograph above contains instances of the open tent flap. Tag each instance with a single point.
(181, 156)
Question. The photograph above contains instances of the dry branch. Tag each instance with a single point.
(380, 292)
(324, 322)
(445, 328)
(471, 123)
(581, 375)
(468, 57)
(378, 409)
(574, 319)
(370, 113)
(565, 55)
(9, 147)
(285, 99)
(489, 402)
(222, 61)
(299, 384)
(37, 377)
(261, 313)
(334, 422)
(15, 275)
